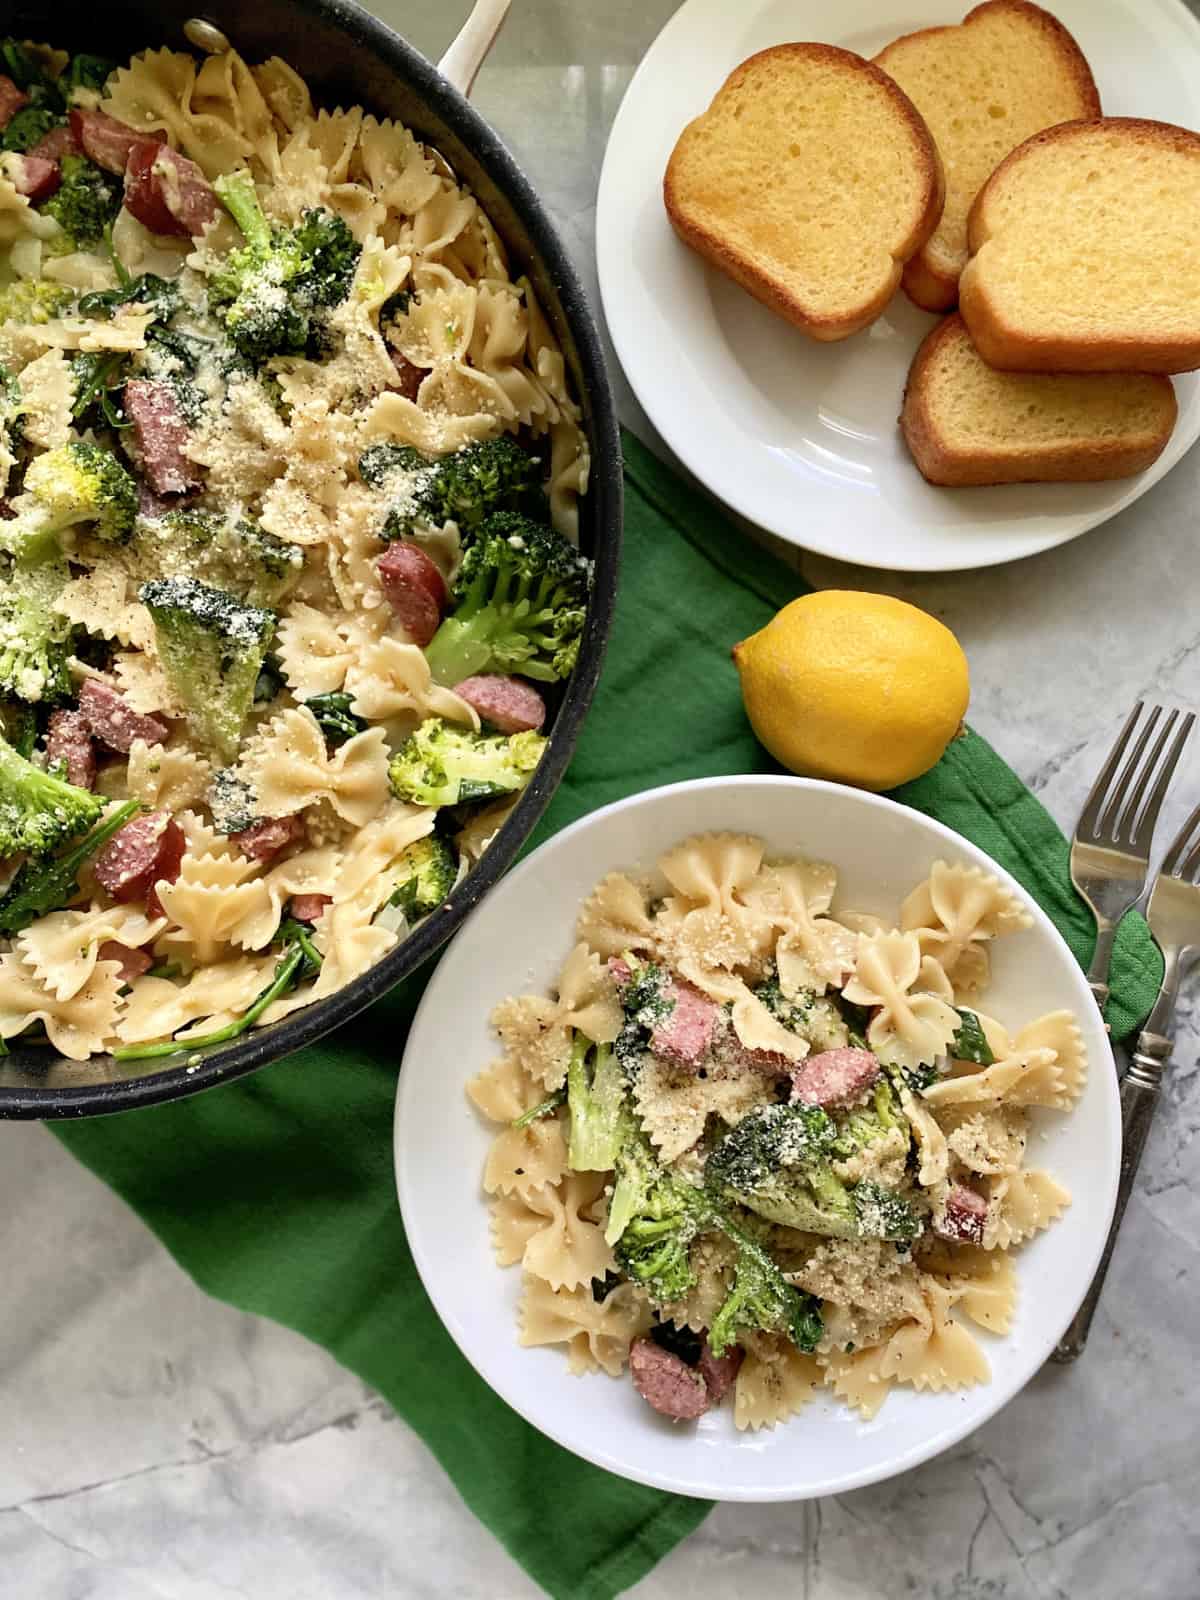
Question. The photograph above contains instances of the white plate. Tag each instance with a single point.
(515, 943)
(802, 437)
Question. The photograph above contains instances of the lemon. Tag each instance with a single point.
(860, 688)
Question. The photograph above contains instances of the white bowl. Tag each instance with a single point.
(515, 943)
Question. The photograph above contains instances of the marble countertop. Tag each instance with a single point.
(157, 1445)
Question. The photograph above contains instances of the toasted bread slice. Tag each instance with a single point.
(810, 180)
(1008, 70)
(965, 423)
(1085, 249)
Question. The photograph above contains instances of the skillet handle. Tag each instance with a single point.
(467, 52)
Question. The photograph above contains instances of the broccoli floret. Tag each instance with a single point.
(160, 295)
(857, 1129)
(235, 552)
(38, 812)
(268, 293)
(27, 69)
(232, 801)
(35, 642)
(776, 1162)
(428, 871)
(84, 204)
(476, 482)
(19, 725)
(654, 1216)
(70, 484)
(441, 764)
(520, 600)
(211, 645)
(89, 72)
(647, 1003)
(595, 1099)
(34, 301)
(28, 127)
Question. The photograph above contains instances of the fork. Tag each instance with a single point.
(1174, 917)
(1110, 853)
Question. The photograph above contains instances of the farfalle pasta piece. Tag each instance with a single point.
(1022, 1203)
(557, 1240)
(934, 1352)
(954, 913)
(159, 1007)
(988, 1140)
(165, 778)
(774, 1382)
(520, 1160)
(909, 1028)
(675, 1106)
(983, 1283)
(933, 1151)
(1025, 1078)
(857, 1378)
(290, 768)
(539, 1032)
(1059, 1031)
(77, 1027)
(367, 869)
(710, 875)
(104, 601)
(210, 898)
(615, 918)
(390, 679)
(396, 166)
(62, 948)
(314, 653)
(47, 396)
(596, 1333)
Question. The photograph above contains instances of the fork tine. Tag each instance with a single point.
(1130, 800)
(1107, 825)
(1174, 865)
(1091, 811)
(1142, 823)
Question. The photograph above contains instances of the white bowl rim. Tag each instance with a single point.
(1041, 1344)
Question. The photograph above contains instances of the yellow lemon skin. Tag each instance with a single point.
(858, 688)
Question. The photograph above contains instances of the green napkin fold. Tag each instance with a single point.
(276, 1194)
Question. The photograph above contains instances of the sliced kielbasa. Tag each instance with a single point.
(113, 721)
(964, 1216)
(261, 841)
(686, 1036)
(719, 1372)
(620, 971)
(161, 435)
(665, 1382)
(415, 589)
(166, 192)
(103, 139)
(148, 850)
(310, 907)
(509, 704)
(56, 144)
(11, 100)
(34, 177)
(69, 739)
(409, 377)
(133, 962)
(834, 1077)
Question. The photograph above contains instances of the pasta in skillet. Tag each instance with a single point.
(828, 1200)
(284, 447)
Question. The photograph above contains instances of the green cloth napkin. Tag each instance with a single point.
(276, 1194)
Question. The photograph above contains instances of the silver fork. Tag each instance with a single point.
(1174, 917)
(1110, 853)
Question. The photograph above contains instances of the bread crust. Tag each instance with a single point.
(774, 295)
(928, 283)
(946, 466)
(1012, 349)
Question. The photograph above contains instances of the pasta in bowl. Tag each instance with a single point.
(300, 612)
(796, 1106)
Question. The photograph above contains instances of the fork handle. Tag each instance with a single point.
(1139, 1096)
(1097, 973)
